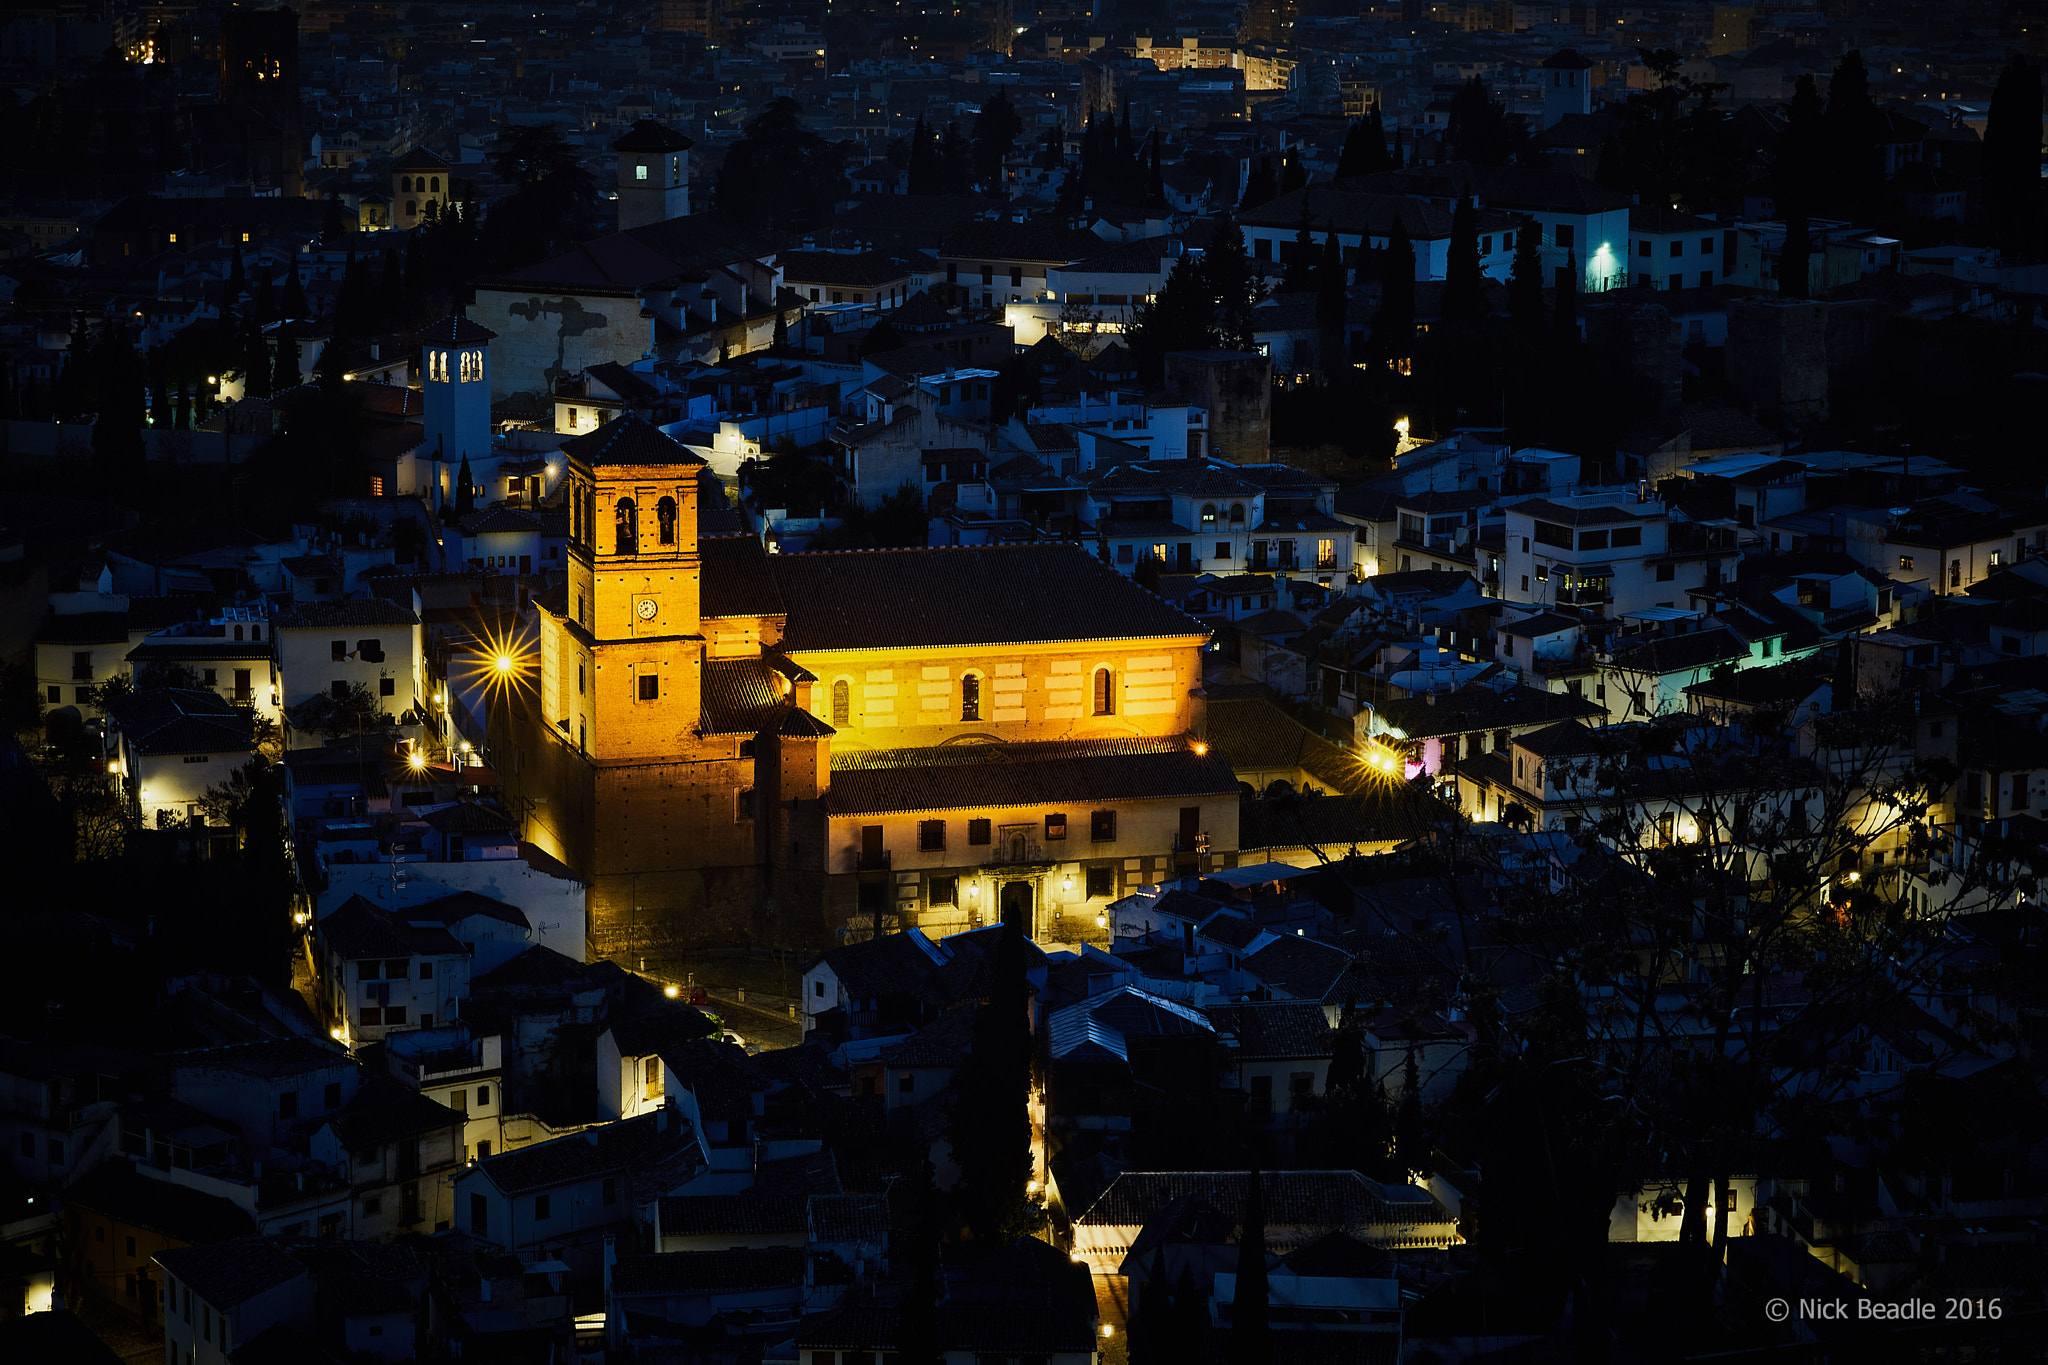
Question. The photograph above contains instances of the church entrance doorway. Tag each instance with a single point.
(1017, 905)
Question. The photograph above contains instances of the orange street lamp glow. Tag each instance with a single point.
(418, 761)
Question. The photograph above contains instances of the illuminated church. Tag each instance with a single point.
(738, 747)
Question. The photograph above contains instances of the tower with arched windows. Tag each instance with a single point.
(654, 174)
(631, 618)
(455, 398)
(418, 179)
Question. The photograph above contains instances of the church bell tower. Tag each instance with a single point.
(455, 398)
(654, 174)
(633, 594)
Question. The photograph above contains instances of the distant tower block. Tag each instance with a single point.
(654, 174)
(1567, 86)
(418, 178)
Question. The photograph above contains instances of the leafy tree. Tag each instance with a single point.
(1479, 129)
(996, 128)
(554, 201)
(881, 337)
(1463, 282)
(780, 174)
(1146, 572)
(1612, 169)
(353, 712)
(1525, 280)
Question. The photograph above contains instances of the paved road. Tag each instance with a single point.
(768, 1026)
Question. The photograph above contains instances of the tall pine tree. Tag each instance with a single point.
(991, 1129)
(1393, 326)
(1333, 294)
(292, 305)
(1300, 275)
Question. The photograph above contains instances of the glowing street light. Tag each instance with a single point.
(417, 761)
(671, 991)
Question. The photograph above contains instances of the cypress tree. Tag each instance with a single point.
(2012, 151)
(924, 161)
(991, 1130)
(285, 374)
(1393, 326)
(1351, 161)
(256, 365)
(1227, 271)
(1153, 1340)
(1300, 275)
(1260, 186)
(391, 290)
(465, 490)
(1333, 294)
(1795, 260)
(1251, 1335)
(1852, 126)
(117, 441)
(1155, 186)
(1611, 170)
(1376, 141)
(415, 271)
(236, 280)
(917, 1340)
(264, 311)
(1463, 300)
(1564, 314)
(1525, 280)
(1399, 160)
(1411, 1142)
(293, 303)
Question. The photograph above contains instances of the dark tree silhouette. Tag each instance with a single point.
(780, 174)
(1251, 1333)
(996, 128)
(1525, 280)
(1463, 300)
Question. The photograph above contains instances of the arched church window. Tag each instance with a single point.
(842, 702)
(436, 187)
(405, 184)
(1208, 516)
(1237, 514)
(665, 517)
(970, 698)
(628, 528)
(1105, 692)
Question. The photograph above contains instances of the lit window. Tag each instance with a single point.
(639, 172)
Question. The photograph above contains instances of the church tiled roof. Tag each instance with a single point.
(739, 697)
(737, 581)
(965, 595)
(630, 440)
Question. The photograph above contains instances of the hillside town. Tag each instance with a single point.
(1344, 682)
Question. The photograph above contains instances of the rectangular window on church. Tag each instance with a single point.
(931, 836)
(977, 831)
(650, 687)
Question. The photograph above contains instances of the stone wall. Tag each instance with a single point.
(1236, 389)
(544, 336)
(1777, 359)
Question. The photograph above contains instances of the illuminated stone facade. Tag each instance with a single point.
(743, 748)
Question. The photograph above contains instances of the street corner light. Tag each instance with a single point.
(1201, 748)
(671, 991)
(503, 663)
(418, 761)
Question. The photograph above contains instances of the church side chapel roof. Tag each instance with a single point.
(961, 776)
(965, 595)
(419, 159)
(739, 697)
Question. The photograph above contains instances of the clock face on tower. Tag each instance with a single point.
(647, 609)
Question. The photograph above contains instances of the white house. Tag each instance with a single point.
(1668, 249)
(383, 972)
(325, 647)
(167, 745)
(219, 1297)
